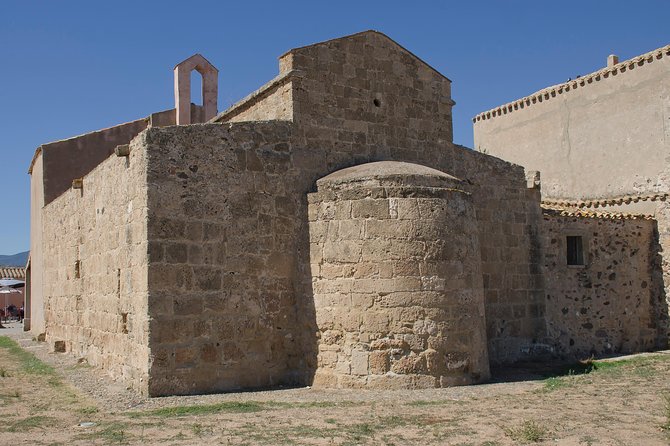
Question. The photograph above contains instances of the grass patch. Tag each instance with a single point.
(206, 409)
(394, 421)
(199, 429)
(4, 373)
(89, 410)
(312, 404)
(642, 361)
(4, 397)
(29, 423)
(304, 430)
(555, 383)
(642, 366)
(29, 363)
(571, 369)
(113, 433)
(348, 434)
(666, 409)
(426, 403)
(587, 440)
(180, 436)
(528, 432)
(356, 433)
(55, 381)
(235, 407)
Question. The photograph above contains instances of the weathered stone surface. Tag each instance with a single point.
(394, 338)
(96, 259)
(601, 308)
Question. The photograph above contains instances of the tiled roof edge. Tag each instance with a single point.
(555, 211)
(13, 272)
(603, 202)
(551, 92)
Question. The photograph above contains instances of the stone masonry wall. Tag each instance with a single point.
(231, 301)
(367, 92)
(397, 280)
(95, 268)
(663, 219)
(662, 216)
(364, 98)
(612, 303)
(273, 104)
(222, 250)
(655, 205)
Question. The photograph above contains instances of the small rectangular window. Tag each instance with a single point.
(575, 252)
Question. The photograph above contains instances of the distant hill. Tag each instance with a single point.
(19, 259)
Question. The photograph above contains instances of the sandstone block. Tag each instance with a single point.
(185, 357)
(407, 208)
(379, 362)
(209, 353)
(359, 362)
(378, 209)
(411, 364)
(324, 379)
(388, 229)
(175, 253)
(342, 252)
(350, 230)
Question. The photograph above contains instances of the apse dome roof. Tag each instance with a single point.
(388, 173)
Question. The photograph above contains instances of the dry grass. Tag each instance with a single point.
(622, 402)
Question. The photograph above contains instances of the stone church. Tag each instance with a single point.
(326, 231)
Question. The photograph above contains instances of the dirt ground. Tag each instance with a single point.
(56, 400)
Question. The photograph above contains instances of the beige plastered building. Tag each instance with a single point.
(323, 231)
(601, 142)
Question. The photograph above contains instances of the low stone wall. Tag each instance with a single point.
(612, 303)
(95, 268)
(397, 279)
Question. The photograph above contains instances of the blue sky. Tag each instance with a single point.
(69, 67)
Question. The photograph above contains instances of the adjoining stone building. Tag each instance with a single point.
(602, 143)
(324, 230)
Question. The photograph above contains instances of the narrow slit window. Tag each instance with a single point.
(575, 250)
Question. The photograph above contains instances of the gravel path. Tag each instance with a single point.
(114, 396)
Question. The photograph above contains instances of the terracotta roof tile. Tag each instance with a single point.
(583, 81)
(12, 272)
(556, 211)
